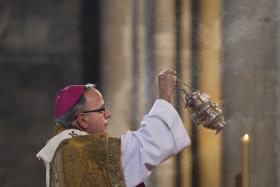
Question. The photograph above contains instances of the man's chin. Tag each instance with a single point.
(106, 129)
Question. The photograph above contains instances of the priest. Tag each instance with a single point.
(80, 153)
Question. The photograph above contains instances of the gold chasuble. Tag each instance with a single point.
(87, 161)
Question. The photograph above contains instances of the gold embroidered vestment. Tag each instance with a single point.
(87, 161)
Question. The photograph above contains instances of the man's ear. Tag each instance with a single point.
(81, 121)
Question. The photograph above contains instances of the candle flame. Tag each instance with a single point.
(246, 138)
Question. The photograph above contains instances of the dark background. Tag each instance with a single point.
(44, 46)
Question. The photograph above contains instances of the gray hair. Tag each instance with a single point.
(68, 118)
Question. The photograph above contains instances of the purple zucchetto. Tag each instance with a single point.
(67, 98)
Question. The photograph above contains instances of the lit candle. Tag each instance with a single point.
(245, 160)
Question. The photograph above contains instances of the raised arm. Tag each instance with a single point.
(161, 135)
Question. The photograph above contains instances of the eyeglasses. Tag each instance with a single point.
(102, 109)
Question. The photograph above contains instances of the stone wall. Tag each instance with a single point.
(39, 54)
(251, 89)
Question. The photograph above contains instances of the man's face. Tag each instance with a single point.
(95, 122)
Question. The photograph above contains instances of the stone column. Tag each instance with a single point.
(277, 89)
(116, 67)
(186, 77)
(210, 50)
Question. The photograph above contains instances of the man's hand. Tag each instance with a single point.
(166, 84)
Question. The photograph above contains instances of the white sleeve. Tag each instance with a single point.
(161, 135)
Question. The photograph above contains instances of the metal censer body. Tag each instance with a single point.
(203, 111)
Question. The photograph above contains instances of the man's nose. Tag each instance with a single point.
(108, 114)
